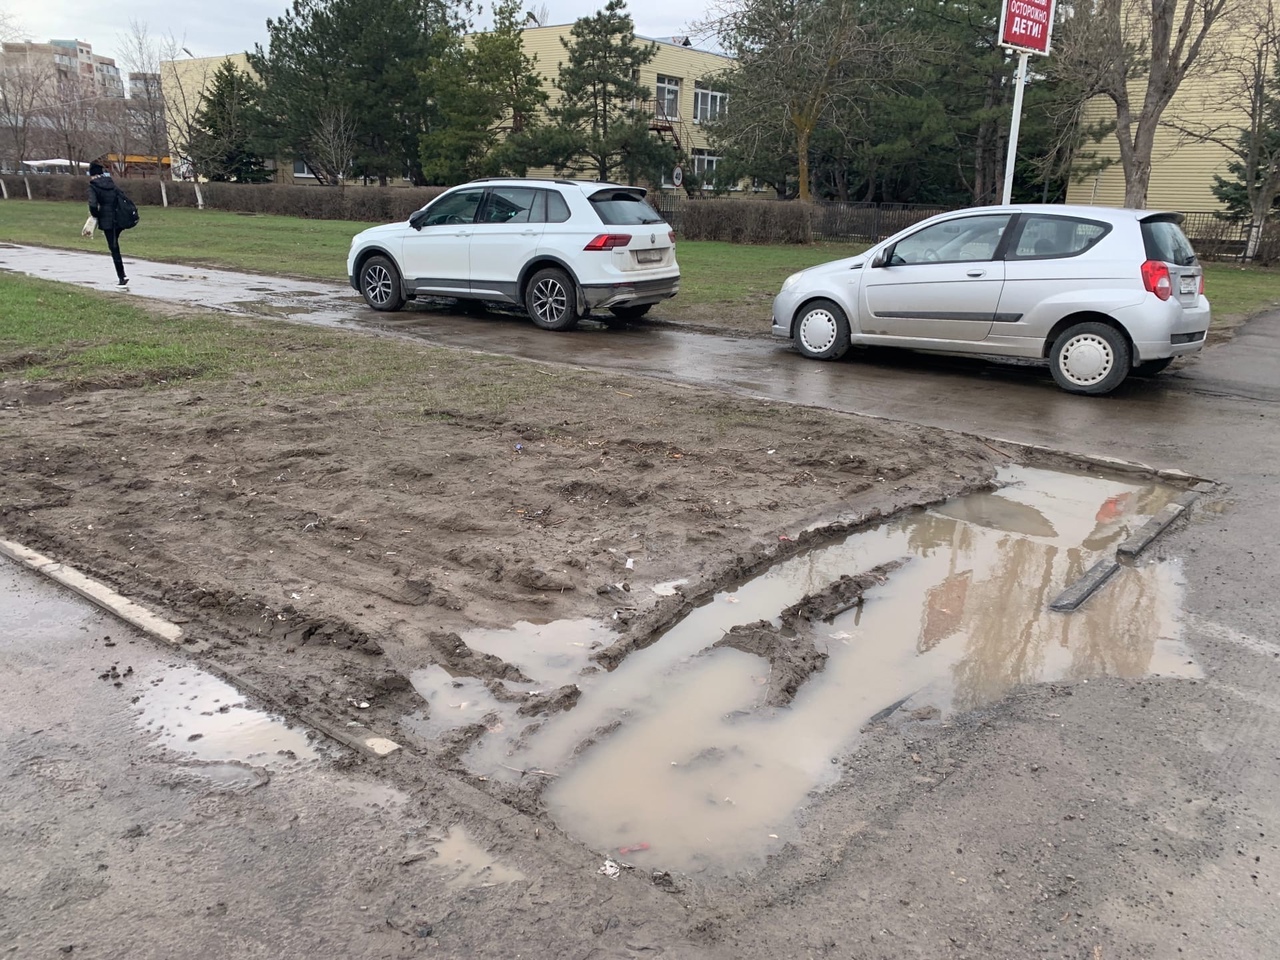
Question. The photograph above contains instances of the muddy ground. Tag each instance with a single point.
(326, 554)
(1088, 820)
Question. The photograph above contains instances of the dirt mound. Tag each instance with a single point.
(461, 661)
(790, 648)
(792, 657)
(844, 594)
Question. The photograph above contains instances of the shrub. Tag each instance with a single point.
(747, 221)
(366, 204)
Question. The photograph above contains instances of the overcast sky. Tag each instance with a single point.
(229, 26)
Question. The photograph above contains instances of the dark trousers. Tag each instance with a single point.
(113, 244)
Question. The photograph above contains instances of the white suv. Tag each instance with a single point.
(559, 248)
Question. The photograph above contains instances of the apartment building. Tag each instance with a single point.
(67, 60)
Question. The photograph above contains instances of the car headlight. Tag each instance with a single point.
(791, 281)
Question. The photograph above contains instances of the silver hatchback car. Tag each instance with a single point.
(1098, 292)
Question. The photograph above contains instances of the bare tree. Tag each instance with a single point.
(806, 61)
(10, 28)
(75, 112)
(140, 53)
(1137, 53)
(1249, 79)
(184, 82)
(333, 144)
(24, 88)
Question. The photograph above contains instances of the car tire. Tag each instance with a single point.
(551, 300)
(1090, 358)
(380, 284)
(821, 330)
(625, 312)
(1149, 368)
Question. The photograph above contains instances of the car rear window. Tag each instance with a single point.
(1165, 241)
(1042, 237)
(623, 208)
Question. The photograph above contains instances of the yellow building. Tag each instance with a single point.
(682, 87)
(184, 85)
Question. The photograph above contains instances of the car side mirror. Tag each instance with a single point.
(881, 259)
(417, 218)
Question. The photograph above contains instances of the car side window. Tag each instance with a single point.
(1044, 236)
(457, 207)
(953, 241)
(557, 209)
(511, 205)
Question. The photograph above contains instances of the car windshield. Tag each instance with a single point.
(1165, 241)
(623, 208)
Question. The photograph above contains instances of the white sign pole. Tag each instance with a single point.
(1021, 82)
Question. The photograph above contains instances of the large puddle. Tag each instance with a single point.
(674, 760)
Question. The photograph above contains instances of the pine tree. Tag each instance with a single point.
(599, 124)
(480, 91)
(220, 146)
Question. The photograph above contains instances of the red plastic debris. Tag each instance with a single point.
(634, 848)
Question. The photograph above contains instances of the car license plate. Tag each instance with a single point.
(648, 256)
(1187, 284)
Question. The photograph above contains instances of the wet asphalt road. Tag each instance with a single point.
(1215, 417)
(1184, 419)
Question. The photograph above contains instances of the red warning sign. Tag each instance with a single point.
(1027, 25)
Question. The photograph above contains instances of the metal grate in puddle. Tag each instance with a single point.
(676, 756)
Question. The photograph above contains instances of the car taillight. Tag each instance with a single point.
(1202, 284)
(607, 241)
(671, 235)
(1155, 277)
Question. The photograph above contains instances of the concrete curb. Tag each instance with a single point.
(357, 737)
(99, 594)
(1080, 591)
(1102, 571)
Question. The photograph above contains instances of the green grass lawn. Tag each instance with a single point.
(54, 331)
(717, 277)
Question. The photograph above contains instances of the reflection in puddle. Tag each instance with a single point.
(195, 713)
(676, 750)
(466, 865)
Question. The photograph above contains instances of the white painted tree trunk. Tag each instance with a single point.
(199, 195)
(4, 190)
(28, 183)
(164, 195)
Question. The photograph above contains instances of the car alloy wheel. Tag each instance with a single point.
(380, 284)
(377, 284)
(551, 300)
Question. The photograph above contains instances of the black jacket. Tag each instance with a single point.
(102, 201)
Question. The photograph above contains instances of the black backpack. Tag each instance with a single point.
(126, 212)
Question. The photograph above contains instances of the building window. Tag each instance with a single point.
(708, 104)
(704, 164)
(668, 97)
(300, 169)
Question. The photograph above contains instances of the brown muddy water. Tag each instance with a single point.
(194, 713)
(674, 761)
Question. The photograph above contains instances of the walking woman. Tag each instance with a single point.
(103, 206)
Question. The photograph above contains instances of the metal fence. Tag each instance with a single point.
(837, 221)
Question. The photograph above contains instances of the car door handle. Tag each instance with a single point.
(528, 233)
(463, 233)
(976, 273)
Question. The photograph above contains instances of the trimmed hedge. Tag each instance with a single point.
(747, 221)
(364, 204)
